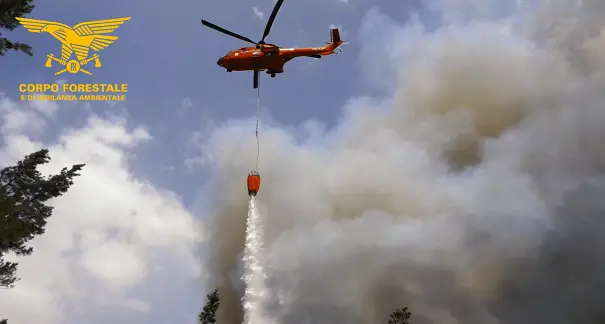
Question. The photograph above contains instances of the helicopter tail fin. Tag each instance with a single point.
(335, 37)
(334, 44)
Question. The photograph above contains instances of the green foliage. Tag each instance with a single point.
(23, 210)
(208, 315)
(400, 316)
(9, 9)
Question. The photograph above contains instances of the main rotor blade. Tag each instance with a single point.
(224, 31)
(256, 79)
(271, 19)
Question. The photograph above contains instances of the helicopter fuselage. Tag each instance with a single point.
(269, 57)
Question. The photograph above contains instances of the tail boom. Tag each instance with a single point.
(315, 51)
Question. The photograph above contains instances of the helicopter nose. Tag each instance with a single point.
(220, 62)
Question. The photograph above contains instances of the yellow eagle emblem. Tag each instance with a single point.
(78, 39)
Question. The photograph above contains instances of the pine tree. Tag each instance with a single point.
(400, 316)
(208, 315)
(23, 209)
(9, 9)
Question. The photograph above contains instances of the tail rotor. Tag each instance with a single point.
(340, 48)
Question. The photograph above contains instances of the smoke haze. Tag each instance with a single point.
(473, 193)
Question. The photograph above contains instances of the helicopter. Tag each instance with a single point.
(269, 57)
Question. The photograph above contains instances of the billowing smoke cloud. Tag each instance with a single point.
(474, 194)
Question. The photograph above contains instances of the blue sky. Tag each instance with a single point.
(168, 58)
(177, 95)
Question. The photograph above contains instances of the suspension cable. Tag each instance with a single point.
(257, 116)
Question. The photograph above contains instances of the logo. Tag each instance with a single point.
(77, 43)
(79, 40)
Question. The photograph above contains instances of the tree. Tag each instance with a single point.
(9, 9)
(400, 316)
(208, 315)
(23, 209)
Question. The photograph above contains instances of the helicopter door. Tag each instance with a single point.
(270, 56)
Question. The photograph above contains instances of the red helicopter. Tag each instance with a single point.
(269, 57)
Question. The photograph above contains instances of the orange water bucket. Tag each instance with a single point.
(253, 183)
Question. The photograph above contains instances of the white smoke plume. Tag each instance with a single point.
(474, 194)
